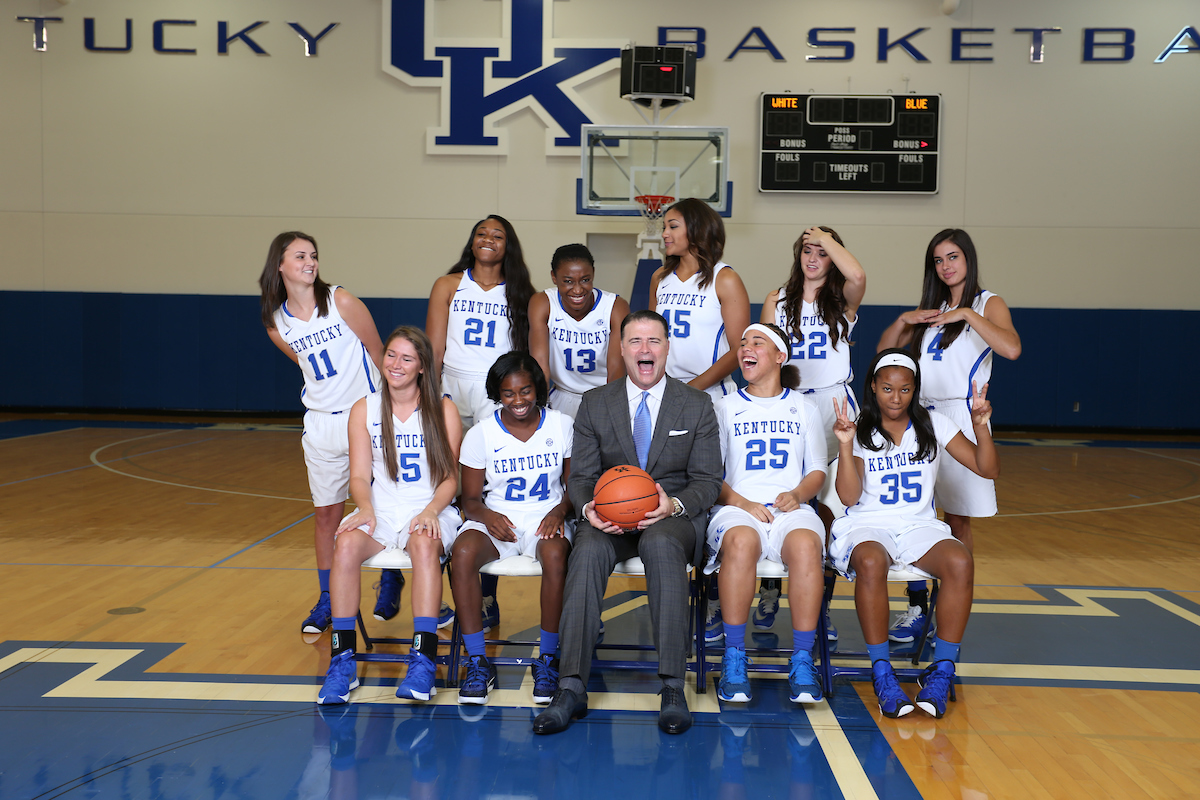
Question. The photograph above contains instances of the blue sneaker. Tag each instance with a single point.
(937, 684)
(768, 603)
(387, 602)
(418, 681)
(831, 633)
(734, 686)
(340, 680)
(320, 618)
(803, 683)
(714, 625)
(480, 680)
(907, 626)
(545, 679)
(445, 616)
(491, 613)
(893, 702)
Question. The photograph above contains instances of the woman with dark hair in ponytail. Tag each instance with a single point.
(331, 336)
(953, 334)
(404, 446)
(774, 451)
(890, 463)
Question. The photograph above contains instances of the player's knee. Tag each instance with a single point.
(870, 561)
(804, 546)
(552, 553)
(741, 544)
(959, 567)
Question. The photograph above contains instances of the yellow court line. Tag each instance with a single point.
(1060, 672)
(1085, 606)
(846, 766)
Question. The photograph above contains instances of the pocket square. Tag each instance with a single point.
(676, 433)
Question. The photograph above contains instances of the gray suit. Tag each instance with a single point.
(688, 466)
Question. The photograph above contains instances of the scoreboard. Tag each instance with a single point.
(850, 143)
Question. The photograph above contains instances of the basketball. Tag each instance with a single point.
(624, 495)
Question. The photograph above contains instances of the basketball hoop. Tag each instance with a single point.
(653, 206)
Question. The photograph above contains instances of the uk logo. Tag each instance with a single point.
(483, 81)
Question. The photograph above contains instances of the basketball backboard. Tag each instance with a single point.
(622, 162)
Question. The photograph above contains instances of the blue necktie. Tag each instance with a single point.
(641, 431)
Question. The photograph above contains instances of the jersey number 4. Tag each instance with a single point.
(935, 347)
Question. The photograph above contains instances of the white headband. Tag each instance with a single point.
(774, 337)
(897, 360)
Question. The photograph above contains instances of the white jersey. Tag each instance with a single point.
(769, 444)
(947, 374)
(579, 348)
(338, 371)
(697, 330)
(821, 363)
(413, 486)
(520, 477)
(478, 330)
(894, 482)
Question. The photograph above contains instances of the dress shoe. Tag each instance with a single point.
(673, 714)
(565, 706)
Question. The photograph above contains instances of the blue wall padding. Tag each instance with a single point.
(210, 353)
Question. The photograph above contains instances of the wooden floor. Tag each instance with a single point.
(202, 536)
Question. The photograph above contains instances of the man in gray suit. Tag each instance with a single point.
(670, 430)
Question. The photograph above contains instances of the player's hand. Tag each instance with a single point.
(981, 409)
(843, 427)
(357, 519)
(949, 316)
(552, 524)
(664, 510)
(756, 510)
(425, 523)
(499, 526)
(602, 525)
(920, 316)
(786, 501)
(812, 236)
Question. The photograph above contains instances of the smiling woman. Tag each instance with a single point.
(478, 311)
(571, 326)
(337, 348)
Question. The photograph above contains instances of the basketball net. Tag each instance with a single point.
(653, 206)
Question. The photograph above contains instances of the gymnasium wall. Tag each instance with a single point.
(139, 190)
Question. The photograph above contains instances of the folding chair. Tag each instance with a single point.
(832, 672)
(765, 569)
(387, 559)
(527, 566)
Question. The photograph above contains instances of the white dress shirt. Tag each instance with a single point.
(653, 400)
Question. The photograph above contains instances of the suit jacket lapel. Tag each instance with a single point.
(618, 409)
(668, 413)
